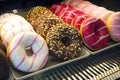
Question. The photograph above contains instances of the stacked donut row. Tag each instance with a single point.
(110, 18)
(26, 50)
(63, 40)
(93, 31)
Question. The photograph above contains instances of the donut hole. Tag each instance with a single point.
(65, 41)
(29, 51)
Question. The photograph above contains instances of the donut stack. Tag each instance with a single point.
(110, 18)
(93, 31)
(42, 19)
(64, 41)
(26, 50)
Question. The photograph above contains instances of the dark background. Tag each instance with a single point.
(8, 5)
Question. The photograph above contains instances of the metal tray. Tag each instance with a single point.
(49, 65)
(110, 45)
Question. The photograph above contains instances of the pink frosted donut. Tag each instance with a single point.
(94, 33)
(67, 1)
(76, 22)
(113, 23)
(75, 2)
(69, 15)
(87, 9)
(82, 5)
(22, 60)
(104, 16)
(66, 12)
(97, 11)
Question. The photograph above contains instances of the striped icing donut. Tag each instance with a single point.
(18, 22)
(94, 33)
(97, 11)
(7, 16)
(113, 23)
(14, 31)
(107, 16)
(22, 60)
(88, 9)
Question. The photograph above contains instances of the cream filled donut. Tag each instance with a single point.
(113, 23)
(94, 33)
(23, 61)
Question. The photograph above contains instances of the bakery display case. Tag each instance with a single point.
(101, 64)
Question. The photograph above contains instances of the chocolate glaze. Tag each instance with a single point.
(64, 42)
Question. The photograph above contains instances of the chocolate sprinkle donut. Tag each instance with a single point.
(64, 42)
(37, 12)
(42, 19)
(42, 26)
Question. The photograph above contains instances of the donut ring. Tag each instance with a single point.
(64, 42)
(5, 17)
(13, 32)
(94, 33)
(37, 12)
(18, 56)
(113, 23)
(14, 26)
(42, 26)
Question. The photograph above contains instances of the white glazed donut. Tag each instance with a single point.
(14, 31)
(18, 56)
(5, 17)
(15, 21)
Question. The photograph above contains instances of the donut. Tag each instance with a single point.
(88, 9)
(76, 21)
(13, 27)
(113, 23)
(107, 16)
(64, 42)
(4, 17)
(16, 52)
(82, 4)
(94, 33)
(97, 11)
(37, 12)
(43, 26)
(70, 14)
(4, 66)
(75, 2)
(7, 16)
